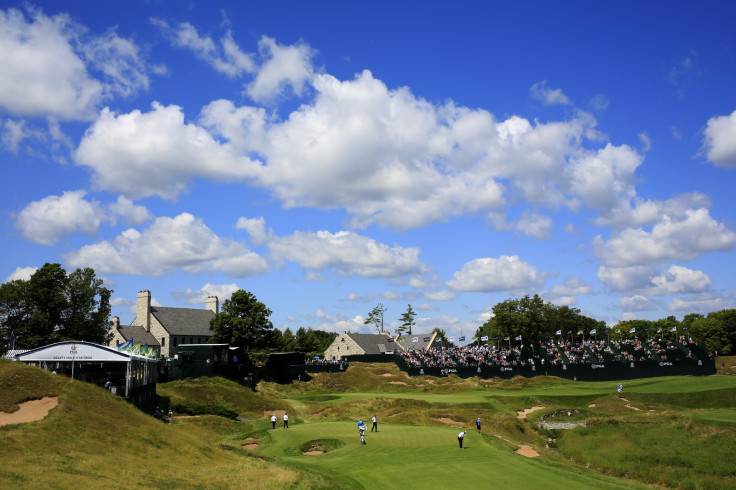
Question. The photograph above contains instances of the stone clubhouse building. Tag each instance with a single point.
(165, 328)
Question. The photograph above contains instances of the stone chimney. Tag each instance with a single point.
(213, 304)
(143, 310)
(115, 322)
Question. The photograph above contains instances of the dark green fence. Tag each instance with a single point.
(581, 372)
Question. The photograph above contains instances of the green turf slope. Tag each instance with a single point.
(405, 456)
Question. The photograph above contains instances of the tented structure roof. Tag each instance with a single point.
(77, 351)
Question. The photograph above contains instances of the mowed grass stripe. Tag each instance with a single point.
(402, 456)
(681, 384)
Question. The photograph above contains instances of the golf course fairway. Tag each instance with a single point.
(404, 456)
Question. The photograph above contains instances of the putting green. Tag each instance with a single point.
(403, 456)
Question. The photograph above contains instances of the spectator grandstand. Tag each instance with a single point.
(563, 358)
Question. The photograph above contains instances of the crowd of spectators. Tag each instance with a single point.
(552, 353)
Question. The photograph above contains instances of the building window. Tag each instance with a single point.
(163, 341)
(191, 340)
(173, 339)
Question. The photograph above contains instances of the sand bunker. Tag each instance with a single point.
(527, 451)
(449, 421)
(592, 405)
(523, 413)
(30, 411)
(385, 375)
(250, 443)
(628, 405)
(315, 449)
(396, 383)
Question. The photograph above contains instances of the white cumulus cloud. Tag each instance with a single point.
(155, 153)
(506, 273)
(347, 254)
(719, 142)
(183, 242)
(53, 217)
(548, 96)
(285, 66)
(49, 63)
(199, 296)
(684, 238)
(21, 273)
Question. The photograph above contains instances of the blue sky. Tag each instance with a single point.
(330, 156)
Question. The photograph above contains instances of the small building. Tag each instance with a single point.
(129, 375)
(358, 344)
(196, 360)
(165, 328)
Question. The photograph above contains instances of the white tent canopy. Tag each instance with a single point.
(138, 371)
(76, 351)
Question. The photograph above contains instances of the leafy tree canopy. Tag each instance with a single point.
(535, 320)
(53, 306)
(243, 322)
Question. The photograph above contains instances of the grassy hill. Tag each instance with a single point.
(93, 439)
(670, 432)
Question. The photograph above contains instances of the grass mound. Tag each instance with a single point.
(218, 396)
(94, 439)
(670, 431)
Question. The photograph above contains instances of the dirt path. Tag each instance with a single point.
(30, 411)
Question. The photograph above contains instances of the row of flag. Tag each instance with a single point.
(138, 349)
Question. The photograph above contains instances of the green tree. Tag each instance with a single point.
(53, 306)
(87, 313)
(243, 322)
(525, 316)
(15, 313)
(47, 302)
(375, 317)
(717, 331)
(407, 321)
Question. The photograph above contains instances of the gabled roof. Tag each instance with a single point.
(184, 321)
(138, 334)
(371, 343)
